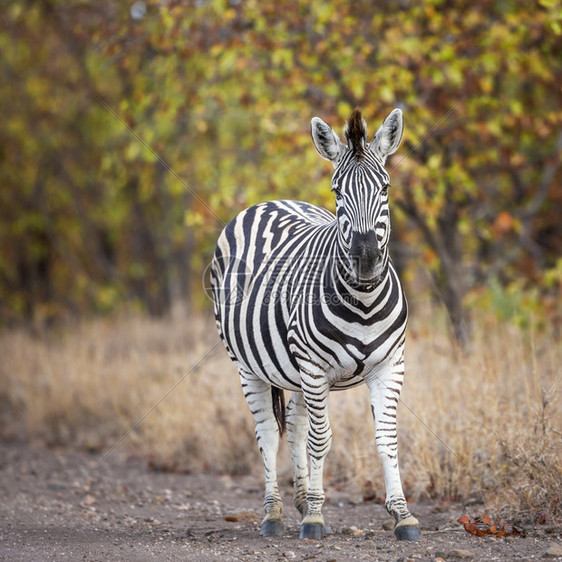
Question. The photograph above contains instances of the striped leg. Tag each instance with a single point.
(315, 392)
(258, 397)
(385, 391)
(297, 431)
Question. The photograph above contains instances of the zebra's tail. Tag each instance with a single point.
(278, 397)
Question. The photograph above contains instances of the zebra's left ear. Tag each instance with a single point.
(389, 135)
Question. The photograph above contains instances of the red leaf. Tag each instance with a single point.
(486, 520)
(463, 519)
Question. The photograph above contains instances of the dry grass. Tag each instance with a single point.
(484, 424)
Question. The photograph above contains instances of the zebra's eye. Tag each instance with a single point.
(337, 193)
(384, 190)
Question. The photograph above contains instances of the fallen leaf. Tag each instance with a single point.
(482, 526)
(515, 531)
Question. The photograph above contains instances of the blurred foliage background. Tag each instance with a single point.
(133, 131)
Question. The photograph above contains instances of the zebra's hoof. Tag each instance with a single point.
(408, 533)
(272, 528)
(312, 531)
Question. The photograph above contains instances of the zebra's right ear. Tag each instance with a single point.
(327, 143)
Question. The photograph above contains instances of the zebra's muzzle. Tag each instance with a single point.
(365, 256)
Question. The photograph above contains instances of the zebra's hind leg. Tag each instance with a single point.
(297, 431)
(385, 393)
(259, 399)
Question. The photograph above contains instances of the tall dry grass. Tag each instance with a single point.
(484, 424)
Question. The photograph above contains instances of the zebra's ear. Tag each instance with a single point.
(389, 135)
(327, 143)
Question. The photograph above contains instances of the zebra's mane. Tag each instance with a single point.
(355, 132)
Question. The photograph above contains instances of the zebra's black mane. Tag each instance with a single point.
(356, 133)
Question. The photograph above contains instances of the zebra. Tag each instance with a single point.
(308, 301)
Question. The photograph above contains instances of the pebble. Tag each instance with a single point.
(554, 550)
(460, 553)
(241, 516)
(289, 554)
(388, 525)
(88, 500)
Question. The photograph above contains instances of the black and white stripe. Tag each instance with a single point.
(309, 302)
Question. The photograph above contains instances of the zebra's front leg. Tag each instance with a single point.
(315, 394)
(258, 397)
(297, 431)
(385, 393)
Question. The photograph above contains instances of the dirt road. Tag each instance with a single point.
(65, 505)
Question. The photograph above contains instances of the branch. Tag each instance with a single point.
(548, 174)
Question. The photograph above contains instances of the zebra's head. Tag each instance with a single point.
(360, 183)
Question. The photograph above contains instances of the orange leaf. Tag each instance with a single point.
(486, 520)
(502, 224)
(463, 519)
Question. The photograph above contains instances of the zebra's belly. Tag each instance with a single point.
(338, 377)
